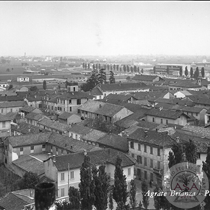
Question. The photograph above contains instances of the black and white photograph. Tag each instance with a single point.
(105, 105)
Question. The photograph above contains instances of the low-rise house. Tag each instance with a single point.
(182, 94)
(4, 85)
(147, 79)
(78, 131)
(100, 91)
(28, 109)
(200, 100)
(69, 119)
(65, 170)
(119, 98)
(14, 106)
(17, 200)
(167, 117)
(50, 142)
(52, 125)
(35, 101)
(33, 118)
(109, 112)
(5, 126)
(23, 79)
(21, 89)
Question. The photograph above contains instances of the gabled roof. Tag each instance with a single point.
(96, 157)
(80, 129)
(29, 164)
(29, 139)
(169, 114)
(91, 106)
(149, 78)
(75, 95)
(27, 109)
(152, 137)
(12, 115)
(201, 131)
(4, 118)
(189, 109)
(121, 87)
(114, 141)
(12, 104)
(25, 128)
(34, 116)
(64, 115)
(94, 135)
(13, 201)
(118, 98)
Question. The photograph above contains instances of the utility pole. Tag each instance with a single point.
(68, 176)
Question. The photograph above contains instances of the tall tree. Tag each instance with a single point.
(206, 169)
(202, 72)
(191, 152)
(180, 71)
(196, 74)
(191, 72)
(102, 76)
(44, 85)
(74, 198)
(186, 71)
(133, 195)
(102, 183)
(120, 193)
(145, 200)
(111, 78)
(91, 82)
(86, 186)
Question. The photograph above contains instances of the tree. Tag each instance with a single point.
(206, 169)
(140, 206)
(196, 74)
(10, 87)
(102, 183)
(111, 78)
(44, 85)
(74, 198)
(102, 76)
(120, 186)
(144, 188)
(186, 71)
(191, 72)
(33, 88)
(191, 152)
(180, 71)
(86, 186)
(133, 195)
(29, 180)
(91, 82)
(202, 72)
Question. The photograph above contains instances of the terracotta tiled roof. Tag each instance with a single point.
(12, 104)
(149, 78)
(80, 129)
(96, 158)
(94, 135)
(34, 116)
(75, 95)
(27, 109)
(64, 115)
(169, 114)
(25, 128)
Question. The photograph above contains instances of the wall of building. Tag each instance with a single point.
(121, 114)
(5, 110)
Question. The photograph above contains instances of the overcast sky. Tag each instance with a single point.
(104, 28)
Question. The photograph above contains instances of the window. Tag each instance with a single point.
(199, 155)
(3, 124)
(161, 121)
(139, 173)
(145, 161)
(151, 163)
(158, 164)
(145, 148)
(139, 147)
(70, 101)
(43, 147)
(32, 149)
(151, 176)
(158, 151)
(72, 175)
(133, 156)
(145, 174)
(129, 171)
(78, 101)
(62, 192)
(70, 109)
(151, 150)
(21, 150)
(132, 145)
(139, 159)
(153, 119)
(166, 122)
(62, 176)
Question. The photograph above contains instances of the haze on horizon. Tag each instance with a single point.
(104, 28)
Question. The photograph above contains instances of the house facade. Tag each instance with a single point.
(65, 170)
(14, 106)
(5, 126)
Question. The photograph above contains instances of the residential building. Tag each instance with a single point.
(65, 170)
(109, 112)
(5, 126)
(23, 79)
(15, 106)
(147, 79)
(33, 118)
(162, 116)
(28, 109)
(100, 91)
(69, 119)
